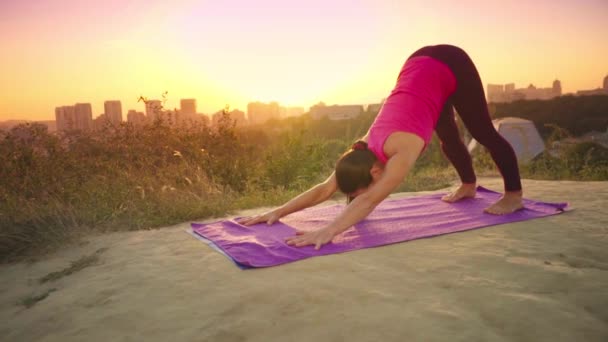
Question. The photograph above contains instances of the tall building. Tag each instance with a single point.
(259, 112)
(557, 87)
(606, 83)
(169, 117)
(66, 119)
(70, 116)
(188, 106)
(113, 111)
(101, 122)
(61, 119)
(153, 109)
(136, 118)
(83, 115)
(496, 93)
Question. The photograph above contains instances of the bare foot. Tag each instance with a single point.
(466, 190)
(510, 202)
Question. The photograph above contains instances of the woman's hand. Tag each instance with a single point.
(317, 238)
(269, 217)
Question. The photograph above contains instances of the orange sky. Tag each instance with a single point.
(59, 52)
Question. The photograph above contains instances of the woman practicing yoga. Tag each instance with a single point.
(433, 81)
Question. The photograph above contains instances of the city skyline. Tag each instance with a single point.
(113, 108)
(235, 52)
(69, 117)
(152, 104)
(189, 105)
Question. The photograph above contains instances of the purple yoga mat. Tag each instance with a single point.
(394, 220)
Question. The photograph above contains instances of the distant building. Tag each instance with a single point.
(168, 117)
(70, 117)
(79, 116)
(375, 107)
(557, 88)
(496, 93)
(259, 112)
(83, 114)
(188, 106)
(508, 92)
(597, 91)
(292, 111)
(335, 112)
(113, 111)
(153, 109)
(136, 118)
(65, 118)
(60, 118)
(187, 112)
(101, 121)
(27, 134)
(236, 115)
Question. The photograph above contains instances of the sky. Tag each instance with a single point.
(60, 52)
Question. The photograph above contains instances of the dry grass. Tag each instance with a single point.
(54, 188)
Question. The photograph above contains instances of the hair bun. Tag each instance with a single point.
(359, 146)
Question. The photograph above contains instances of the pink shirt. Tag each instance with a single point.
(414, 105)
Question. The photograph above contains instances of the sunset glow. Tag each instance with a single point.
(57, 52)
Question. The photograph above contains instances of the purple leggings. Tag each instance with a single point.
(469, 101)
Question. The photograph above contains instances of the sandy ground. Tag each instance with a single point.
(540, 280)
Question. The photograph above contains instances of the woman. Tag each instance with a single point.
(434, 81)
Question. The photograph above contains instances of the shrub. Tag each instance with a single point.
(57, 186)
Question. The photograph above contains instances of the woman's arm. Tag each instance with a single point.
(403, 156)
(313, 196)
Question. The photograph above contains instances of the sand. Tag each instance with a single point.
(540, 280)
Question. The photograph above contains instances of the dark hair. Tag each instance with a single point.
(353, 168)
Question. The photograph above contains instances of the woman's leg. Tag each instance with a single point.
(457, 153)
(470, 103)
